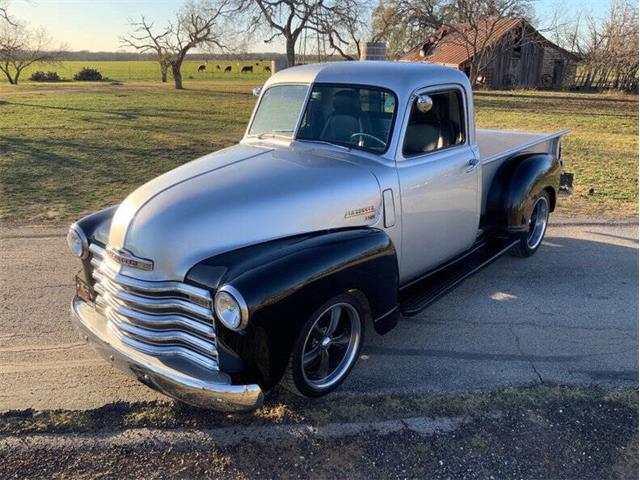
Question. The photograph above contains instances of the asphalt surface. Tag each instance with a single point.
(567, 315)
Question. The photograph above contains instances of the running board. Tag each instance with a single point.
(420, 294)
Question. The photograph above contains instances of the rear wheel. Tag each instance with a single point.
(538, 220)
(327, 348)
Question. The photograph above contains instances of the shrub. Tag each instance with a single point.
(88, 75)
(40, 76)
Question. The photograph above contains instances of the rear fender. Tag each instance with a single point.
(512, 194)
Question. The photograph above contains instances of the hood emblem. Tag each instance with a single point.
(358, 212)
(128, 259)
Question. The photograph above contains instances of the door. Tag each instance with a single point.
(558, 71)
(439, 176)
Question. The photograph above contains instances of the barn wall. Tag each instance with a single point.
(531, 65)
(551, 56)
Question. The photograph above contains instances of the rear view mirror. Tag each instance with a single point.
(256, 91)
(424, 103)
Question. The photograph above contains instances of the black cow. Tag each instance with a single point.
(202, 68)
(247, 69)
(228, 69)
(217, 67)
(267, 68)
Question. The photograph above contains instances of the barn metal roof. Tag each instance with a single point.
(453, 50)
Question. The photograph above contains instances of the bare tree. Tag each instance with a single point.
(21, 47)
(337, 21)
(4, 13)
(342, 25)
(286, 18)
(145, 40)
(201, 24)
(608, 47)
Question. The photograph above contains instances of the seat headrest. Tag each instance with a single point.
(346, 102)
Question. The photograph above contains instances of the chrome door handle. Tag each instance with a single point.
(472, 164)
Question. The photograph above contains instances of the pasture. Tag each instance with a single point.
(70, 148)
(150, 70)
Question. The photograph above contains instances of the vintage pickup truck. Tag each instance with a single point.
(360, 192)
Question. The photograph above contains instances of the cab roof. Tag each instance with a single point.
(400, 77)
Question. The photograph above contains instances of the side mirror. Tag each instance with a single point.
(424, 103)
(256, 91)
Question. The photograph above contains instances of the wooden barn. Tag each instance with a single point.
(509, 53)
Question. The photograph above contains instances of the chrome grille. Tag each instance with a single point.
(163, 319)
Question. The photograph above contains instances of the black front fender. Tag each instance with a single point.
(284, 281)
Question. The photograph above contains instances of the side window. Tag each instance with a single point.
(441, 127)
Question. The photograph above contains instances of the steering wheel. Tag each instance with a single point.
(367, 135)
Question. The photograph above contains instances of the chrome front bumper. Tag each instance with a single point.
(177, 378)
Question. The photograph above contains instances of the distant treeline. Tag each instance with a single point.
(128, 56)
(85, 55)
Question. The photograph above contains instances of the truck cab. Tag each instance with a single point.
(360, 192)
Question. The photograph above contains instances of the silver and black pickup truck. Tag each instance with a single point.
(361, 191)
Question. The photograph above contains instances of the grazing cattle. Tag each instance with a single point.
(228, 69)
(202, 68)
(217, 67)
(247, 69)
(267, 68)
(257, 64)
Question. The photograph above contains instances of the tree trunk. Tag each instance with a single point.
(291, 51)
(16, 76)
(5, 70)
(177, 76)
(163, 73)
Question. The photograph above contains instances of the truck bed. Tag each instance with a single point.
(497, 146)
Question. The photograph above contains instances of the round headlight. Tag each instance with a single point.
(77, 242)
(230, 308)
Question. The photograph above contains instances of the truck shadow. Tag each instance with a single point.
(571, 308)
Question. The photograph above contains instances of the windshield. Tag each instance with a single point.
(279, 110)
(355, 117)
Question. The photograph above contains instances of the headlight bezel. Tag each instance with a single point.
(237, 297)
(84, 242)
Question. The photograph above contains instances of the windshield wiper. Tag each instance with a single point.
(273, 134)
(324, 142)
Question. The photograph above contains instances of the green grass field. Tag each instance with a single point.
(149, 70)
(70, 148)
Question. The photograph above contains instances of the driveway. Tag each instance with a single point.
(567, 315)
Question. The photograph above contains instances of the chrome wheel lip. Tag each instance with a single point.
(348, 356)
(538, 222)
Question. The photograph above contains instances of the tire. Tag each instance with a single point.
(538, 220)
(328, 362)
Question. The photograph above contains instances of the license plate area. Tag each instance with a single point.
(84, 290)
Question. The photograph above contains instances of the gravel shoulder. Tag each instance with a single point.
(535, 432)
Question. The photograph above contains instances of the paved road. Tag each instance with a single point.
(570, 314)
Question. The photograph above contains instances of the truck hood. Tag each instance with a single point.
(236, 197)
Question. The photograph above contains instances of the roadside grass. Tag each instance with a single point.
(71, 148)
(601, 149)
(282, 408)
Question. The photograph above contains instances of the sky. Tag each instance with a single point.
(96, 25)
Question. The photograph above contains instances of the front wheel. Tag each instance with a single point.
(327, 348)
(530, 242)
